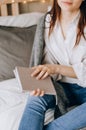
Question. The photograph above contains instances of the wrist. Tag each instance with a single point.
(58, 69)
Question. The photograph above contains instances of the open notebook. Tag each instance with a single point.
(23, 75)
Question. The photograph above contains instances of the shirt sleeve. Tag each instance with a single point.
(80, 70)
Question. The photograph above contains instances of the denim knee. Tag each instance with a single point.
(45, 102)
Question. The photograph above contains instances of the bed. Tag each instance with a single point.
(16, 38)
(12, 103)
(17, 30)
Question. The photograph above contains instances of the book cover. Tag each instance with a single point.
(28, 83)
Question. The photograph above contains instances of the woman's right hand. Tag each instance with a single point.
(41, 72)
(37, 92)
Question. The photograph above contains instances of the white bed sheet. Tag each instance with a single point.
(12, 103)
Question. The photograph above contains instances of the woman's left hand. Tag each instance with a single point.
(43, 71)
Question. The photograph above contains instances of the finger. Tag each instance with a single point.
(38, 92)
(36, 71)
(42, 93)
(40, 75)
(45, 75)
(33, 93)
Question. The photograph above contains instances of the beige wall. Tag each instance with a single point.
(24, 6)
(34, 7)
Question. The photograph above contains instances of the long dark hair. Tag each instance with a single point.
(55, 13)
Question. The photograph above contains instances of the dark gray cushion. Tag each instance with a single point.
(15, 49)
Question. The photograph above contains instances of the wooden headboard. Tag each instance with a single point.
(13, 7)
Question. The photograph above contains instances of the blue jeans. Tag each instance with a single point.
(34, 114)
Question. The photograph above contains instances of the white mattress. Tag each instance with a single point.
(12, 103)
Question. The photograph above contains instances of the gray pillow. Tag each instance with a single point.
(15, 49)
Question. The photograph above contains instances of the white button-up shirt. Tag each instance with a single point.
(63, 51)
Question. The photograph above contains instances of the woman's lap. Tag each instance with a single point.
(75, 93)
(73, 120)
(37, 106)
(76, 118)
(34, 113)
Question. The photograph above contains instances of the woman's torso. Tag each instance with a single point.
(63, 51)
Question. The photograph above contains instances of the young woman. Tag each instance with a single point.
(59, 51)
